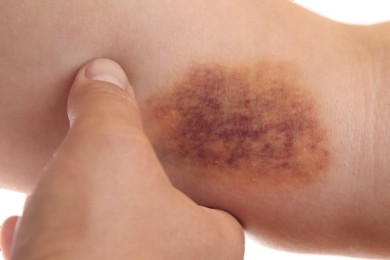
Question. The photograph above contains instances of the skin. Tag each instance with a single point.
(64, 220)
(342, 69)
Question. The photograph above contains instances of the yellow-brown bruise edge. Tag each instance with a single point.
(255, 123)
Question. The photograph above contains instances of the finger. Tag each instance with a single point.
(102, 92)
(105, 149)
(225, 234)
(104, 117)
(103, 153)
(104, 114)
(8, 231)
(7, 236)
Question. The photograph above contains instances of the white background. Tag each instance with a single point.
(348, 11)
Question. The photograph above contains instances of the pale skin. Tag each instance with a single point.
(66, 216)
(344, 67)
(106, 143)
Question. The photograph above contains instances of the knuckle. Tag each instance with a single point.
(111, 137)
(105, 91)
(103, 105)
(112, 129)
(107, 118)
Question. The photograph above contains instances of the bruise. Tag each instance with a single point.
(251, 122)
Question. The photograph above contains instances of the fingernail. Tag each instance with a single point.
(108, 71)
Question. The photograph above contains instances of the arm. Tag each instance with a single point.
(72, 214)
(308, 200)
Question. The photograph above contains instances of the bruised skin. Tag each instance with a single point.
(297, 172)
(252, 132)
(247, 122)
(253, 140)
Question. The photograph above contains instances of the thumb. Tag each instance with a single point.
(91, 166)
(102, 96)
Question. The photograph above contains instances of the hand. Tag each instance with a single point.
(104, 194)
